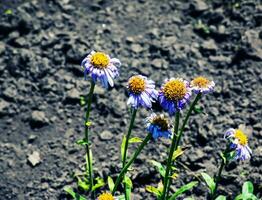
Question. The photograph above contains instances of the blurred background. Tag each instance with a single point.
(42, 44)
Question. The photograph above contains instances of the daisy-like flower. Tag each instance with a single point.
(101, 67)
(158, 126)
(201, 84)
(239, 143)
(174, 94)
(141, 92)
(106, 196)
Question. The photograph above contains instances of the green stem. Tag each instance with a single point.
(131, 125)
(218, 177)
(124, 170)
(89, 168)
(189, 112)
(169, 161)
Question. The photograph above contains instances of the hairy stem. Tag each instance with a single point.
(89, 167)
(169, 161)
(131, 125)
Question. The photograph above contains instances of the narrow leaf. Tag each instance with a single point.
(123, 147)
(174, 176)
(209, 181)
(183, 189)
(221, 197)
(160, 167)
(110, 183)
(82, 184)
(73, 194)
(81, 142)
(128, 193)
(128, 182)
(177, 153)
(160, 187)
(247, 188)
(135, 140)
(153, 190)
(100, 183)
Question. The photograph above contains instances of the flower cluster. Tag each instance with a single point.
(173, 96)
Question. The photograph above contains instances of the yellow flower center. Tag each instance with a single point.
(106, 196)
(136, 84)
(201, 82)
(100, 60)
(161, 121)
(242, 138)
(174, 90)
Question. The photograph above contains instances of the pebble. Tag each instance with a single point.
(106, 135)
(34, 158)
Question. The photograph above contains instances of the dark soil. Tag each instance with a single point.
(42, 44)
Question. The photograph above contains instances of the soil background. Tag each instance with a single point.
(42, 44)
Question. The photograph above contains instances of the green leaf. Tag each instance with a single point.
(123, 147)
(250, 196)
(110, 183)
(128, 181)
(209, 181)
(8, 12)
(100, 183)
(183, 189)
(73, 194)
(83, 184)
(221, 197)
(177, 153)
(82, 101)
(239, 197)
(198, 109)
(160, 167)
(174, 176)
(81, 142)
(129, 186)
(189, 198)
(247, 188)
(160, 187)
(153, 190)
(134, 140)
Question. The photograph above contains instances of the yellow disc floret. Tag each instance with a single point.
(136, 84)
(201, 82)
(99, 60)
(106, 196)
(175, 90)
(242, 138)
(162, 122)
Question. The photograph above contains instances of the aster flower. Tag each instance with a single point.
(105, 196)
(101, 67)
(141, 92)
(158, 126)
(201, 84)
(174, 94)
(239, 143)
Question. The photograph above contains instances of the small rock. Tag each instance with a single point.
(73, 96)
(157, 63)
(2, 48)
(220, 59)
(34, 158)
(32, 138)
(21, 42)
(106, 135)
(137, 48)
(209, 45)
(10, 93)
(38, 119)
(252, 37)
(199, 5)
(3, 107)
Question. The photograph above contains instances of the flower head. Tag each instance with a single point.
(141, 92)
(105, 196)
(174, 94)
(201, 84)
(239, 143)
(158, 126)
(101, 67)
